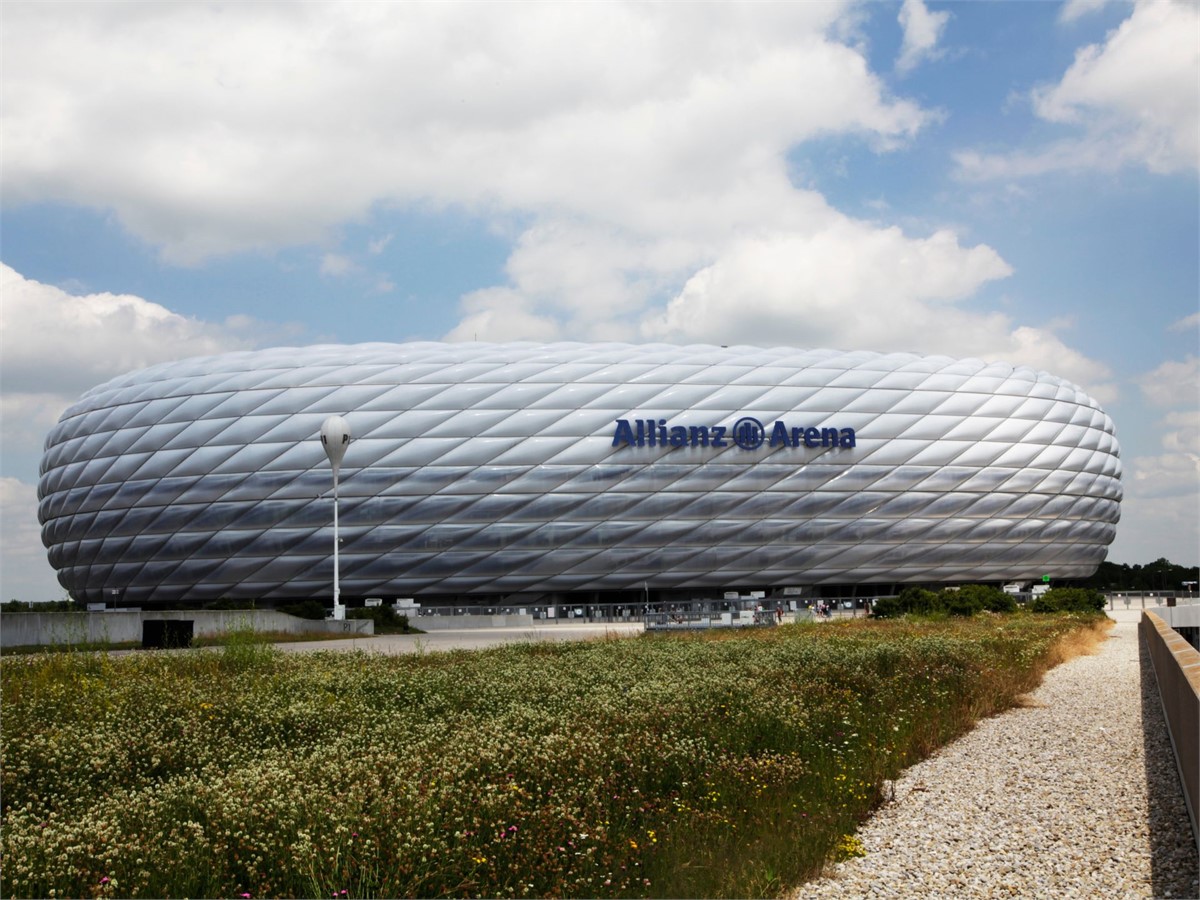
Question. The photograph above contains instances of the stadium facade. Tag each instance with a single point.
(553, 469)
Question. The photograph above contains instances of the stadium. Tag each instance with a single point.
(490, 473)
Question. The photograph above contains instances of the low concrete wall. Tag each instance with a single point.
(1177, 669)
(42, 629)
(459, 623)
(1180, 616)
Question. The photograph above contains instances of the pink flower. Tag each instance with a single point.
(104, 880)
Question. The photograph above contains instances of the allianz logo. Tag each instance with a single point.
(748, 433)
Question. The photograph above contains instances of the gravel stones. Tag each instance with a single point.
(1074, 794)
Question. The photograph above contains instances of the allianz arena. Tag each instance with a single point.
(549, 470)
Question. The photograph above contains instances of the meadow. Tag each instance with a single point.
(730, 764)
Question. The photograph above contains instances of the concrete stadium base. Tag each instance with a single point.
(129, 627)
(468, 623)
(469, 638)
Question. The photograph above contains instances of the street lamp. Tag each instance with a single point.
(335, 437)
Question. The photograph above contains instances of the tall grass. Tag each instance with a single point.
(682, 765)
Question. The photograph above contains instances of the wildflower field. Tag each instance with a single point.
(700, 765)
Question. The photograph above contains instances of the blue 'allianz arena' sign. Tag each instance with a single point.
(748, 433)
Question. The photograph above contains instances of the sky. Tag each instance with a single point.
(1013, 181)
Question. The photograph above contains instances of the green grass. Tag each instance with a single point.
(700, 765)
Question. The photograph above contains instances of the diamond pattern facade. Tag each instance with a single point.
(498, 468)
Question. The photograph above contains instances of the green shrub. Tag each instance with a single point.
(961, 602)
(964, 601)
(981, 597)
(386, 619)
(230, 603)
(306, 609)
(20, 606)
(888, 608)
(1084, 600)
(915, 600)
(921, 601)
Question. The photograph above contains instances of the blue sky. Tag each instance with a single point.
(1013, 181)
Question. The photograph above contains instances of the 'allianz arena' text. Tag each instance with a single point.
(528, 468)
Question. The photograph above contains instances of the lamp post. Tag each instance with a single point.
(335, 438)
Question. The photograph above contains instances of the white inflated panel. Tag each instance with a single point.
(482, 468)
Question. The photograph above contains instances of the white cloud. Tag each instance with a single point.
(501, 314)
(335, 265)
(1159, 516)
(1174, 383)
(377, 245)
(1161, 513)
(1154, 524)
(851, 284)
(922, 31)
(1133, 100)
(1181, 433)
(1187, 323)
(107, 335)
(1073, 10)
(826, 284)
(26, 575)
(210, 129)
(632, 175)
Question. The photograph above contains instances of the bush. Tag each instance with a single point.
(964, 601)
(921, 601)
(306, 609)
(887, 608)
(230, 603)
(1084, 600)
(983, 597)
(915, 600)
(386, 619)
(961, 602)
(21, 606)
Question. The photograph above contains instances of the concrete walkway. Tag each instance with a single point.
(1074, 794)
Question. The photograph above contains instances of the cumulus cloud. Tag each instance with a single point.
(853, 284)
(922, 31)
(1173, 383)
(650, 182)
(647, 184)
(828, 284)
(25, 575)
(1133, 100)
(335, 265)
(210, 129)
(1073, 10)
(1187, 323)
(1163, 489)
(107, 335)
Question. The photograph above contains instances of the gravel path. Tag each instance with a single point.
(1076, 795)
